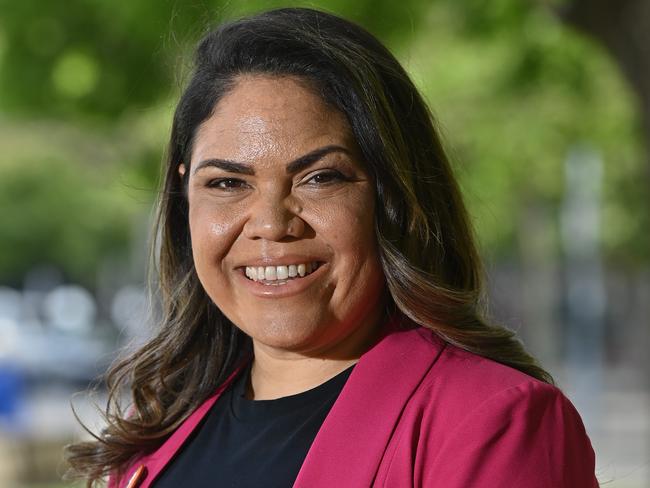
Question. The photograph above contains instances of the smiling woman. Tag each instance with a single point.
(294, 194)
(321, 290)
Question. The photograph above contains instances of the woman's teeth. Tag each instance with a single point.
(274, 273)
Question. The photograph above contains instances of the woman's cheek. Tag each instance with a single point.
(213, 227)
(346, 211)
(353, 224)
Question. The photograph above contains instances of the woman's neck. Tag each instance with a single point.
(273, 378)
(278, 373)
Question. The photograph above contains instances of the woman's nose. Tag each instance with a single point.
(274, 219)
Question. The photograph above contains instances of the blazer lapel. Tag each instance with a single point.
(349, 446)
(147, 469)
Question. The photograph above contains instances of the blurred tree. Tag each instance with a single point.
(623, 29)
(87, 58)
(97, 59)
(63, 200)
(516, 90)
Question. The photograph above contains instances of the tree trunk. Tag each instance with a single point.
(623, 28)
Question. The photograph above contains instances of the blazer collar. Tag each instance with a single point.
(349, 446)
(147, 469)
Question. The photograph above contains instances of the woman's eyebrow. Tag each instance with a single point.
(293, 167)
(224, 164)
(310, 158)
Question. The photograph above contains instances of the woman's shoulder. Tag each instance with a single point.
(475, 415)
(460, 385)
(473, 376)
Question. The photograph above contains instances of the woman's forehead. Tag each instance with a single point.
(270, 116)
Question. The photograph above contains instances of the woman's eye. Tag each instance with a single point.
(326, 177)
(227, 184)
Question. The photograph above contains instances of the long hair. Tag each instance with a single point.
(427, 250)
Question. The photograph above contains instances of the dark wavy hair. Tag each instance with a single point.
(427, 250)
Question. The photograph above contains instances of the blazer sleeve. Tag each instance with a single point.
(527, 435)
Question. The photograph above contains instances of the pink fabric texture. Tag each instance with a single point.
(419, 412)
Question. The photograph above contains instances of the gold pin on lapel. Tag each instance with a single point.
(137, 477)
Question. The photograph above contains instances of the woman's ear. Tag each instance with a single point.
(181, 170)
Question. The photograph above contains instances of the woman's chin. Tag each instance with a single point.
(290, 341)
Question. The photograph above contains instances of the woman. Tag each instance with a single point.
(320, 288)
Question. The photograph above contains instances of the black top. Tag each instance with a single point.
(251, 443)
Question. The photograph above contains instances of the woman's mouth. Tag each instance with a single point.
(278, 275)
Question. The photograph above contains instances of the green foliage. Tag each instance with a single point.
(56, 214)
(72, 196)
(93, 58)
(515, 90)
(97, 59)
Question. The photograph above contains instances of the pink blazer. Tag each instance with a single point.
(419, 412)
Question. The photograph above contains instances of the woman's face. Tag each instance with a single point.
(281, 214)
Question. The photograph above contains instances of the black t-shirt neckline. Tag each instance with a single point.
(247, 410)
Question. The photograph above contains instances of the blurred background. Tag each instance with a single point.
(545, 108)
